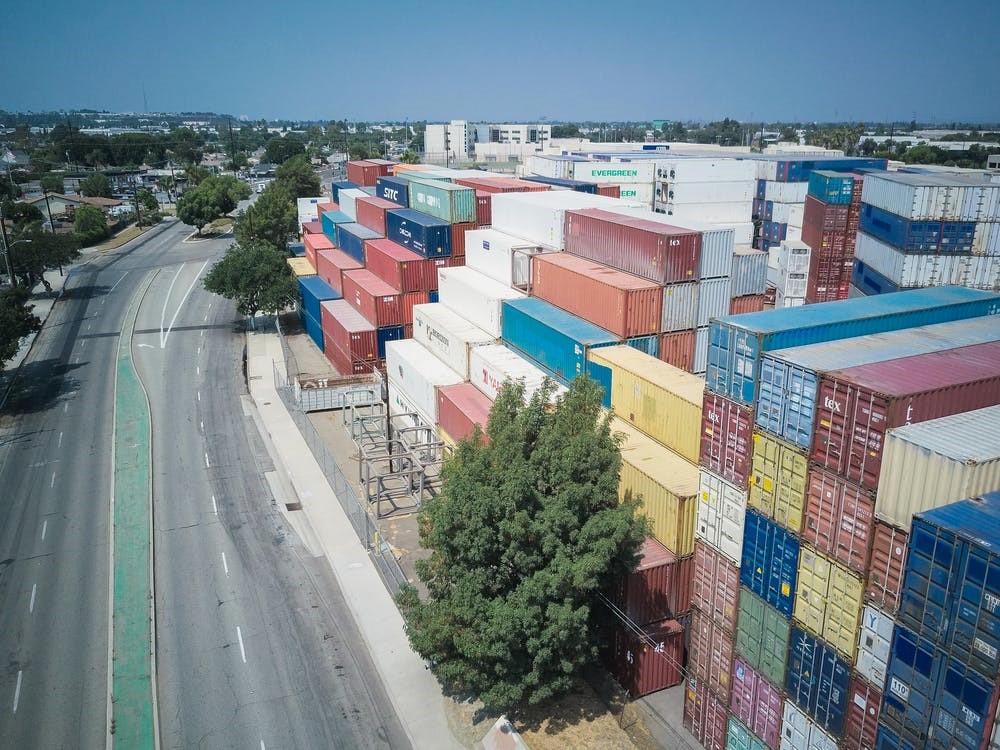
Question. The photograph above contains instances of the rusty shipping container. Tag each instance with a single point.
(366, 173)
(757, 703)
(349, 332)
(659, 588)
(705, 716)
(861, 719)
(616, 301)
(677, 349)
(748, 304)
(458, 238)
(484, 209)
(402, 268)
(371, 212)
(885, 570)
(642, 667)
(839, 519)
(857, 405)
(460, 408)
(715, 586)
(649, 249)
(375, 299)
(501, 185)
(727, 439)
(314, 243)
(711, 656)
(331, 264)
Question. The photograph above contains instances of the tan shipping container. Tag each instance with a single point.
(301, 267)
(660, 400)
(828, 599)
(667, 483)
(779, 476)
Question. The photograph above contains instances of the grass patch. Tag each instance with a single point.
(128, 233)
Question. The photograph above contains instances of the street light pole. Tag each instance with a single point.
(6, 248)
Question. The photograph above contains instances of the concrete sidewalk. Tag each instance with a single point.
(413, 690)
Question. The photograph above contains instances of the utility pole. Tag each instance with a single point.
(6, 248)
(232, 146)
(48, 207)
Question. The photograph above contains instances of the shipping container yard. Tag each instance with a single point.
(812, 466)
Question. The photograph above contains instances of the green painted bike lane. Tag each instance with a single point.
(133, 706)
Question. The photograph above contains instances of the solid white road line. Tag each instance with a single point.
(116, 284)
(45, 526)
(164, 337)
(31, 604)
(243, 651)
(207, 464)
(225, 565)
(17, 690)
(262, 745)
(166, 301)
(215, 508)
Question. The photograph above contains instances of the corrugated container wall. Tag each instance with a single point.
(418, 232)
(460, 408)
(757, 703)
(448, 336)
(680, 308)
(659, 588)
(705, 716)
(721, 511)
(817, 680)
(839, 519)
(490, 366)
(726, 439)
(770, 562)
(418, 373)
(454, 204)
(749, 272)
(331, 264)
(715, 586)
(477, 298)
(799, 732)
(762, 637)
(711, 655)
(641, 668)
(885, 574)
(828, 599)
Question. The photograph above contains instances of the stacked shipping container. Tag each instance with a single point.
(830, 229)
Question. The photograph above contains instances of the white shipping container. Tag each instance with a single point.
(680, 307)
(549, 166)
(641, 192)
(799, 732)
(705, 169)
(491, 365)
(767, 169)
(400, 404)
(720, 213)
(933, 463)
(874, 641)
(786, 192)
(475, 297)
(347, 199)
(932, 197)
(793, 256)
(447, 335)
(418, 374)
(538, 217)
(788, 213)
(713, 299)
(986, 240)
(501, 256)
(307, 209)
(793, 233)
(783, 299)
(701, 350)
(922, 269)
(705, 192)
(721, 511)
(749, 272)
(618, 173)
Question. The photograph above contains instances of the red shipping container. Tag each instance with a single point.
(726, 439)
(609, 191)
(659, 588)
(839, 518)
(379, 302)
(616, 301)
(365, 173)
(484, 209)
(313, 243)
(885, 571)
(407, 302)
(458, 238)
(677, 349)
(312, 227)
(331, 264)
(659, 252)
(824, 215)
(861, 715)
(501, 185)
(642, 667)
(711, 655)
(715, 586)
(371, 212)
(757, 703)
(746, 304)
(460, 408)
(401, 267)
(342, 361)
(856, 406)
(349, 331)
(323, 207)
(705, 716)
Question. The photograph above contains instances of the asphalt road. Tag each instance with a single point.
(255, 646)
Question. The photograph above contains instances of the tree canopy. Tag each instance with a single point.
(255, 276)
(16, 321)
(215, 196)
(52, 182)
(297, 175)
(96, 185)
(90, 224)
(43, 252)
(525, 533)
(282, 148)
(272, 218)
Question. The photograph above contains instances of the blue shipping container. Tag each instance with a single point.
(314, 290)
(816, 679)
(419, 232)
(789, 378)
(578, 185)
(798, 170)
(393, 190)
(313, 328)
(951, 584)
(770, 562)
(870, 281)
(432, 295)
(646, 344)
(296, 249)
(889, 740)
(964, 705)
(351, 239)
(736, 342)
(832, 188)
(387, 333)
(336, 187)
(909, 686)
(329, 221)
(761, 189)
(554, 339)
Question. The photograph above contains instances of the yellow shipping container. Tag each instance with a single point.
(779, 479)
(301, 267)
(828, 599)
(667, 483)
(659, 399)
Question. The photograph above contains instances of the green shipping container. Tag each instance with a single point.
(738, 737)
(410, 175)
(762, 635)
(443, 200)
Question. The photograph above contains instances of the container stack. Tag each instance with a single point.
(943, 673)
(788, 272)
(749, 283)
(783, 542)
(919, 230)
(830, 229)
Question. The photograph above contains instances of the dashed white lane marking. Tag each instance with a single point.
(116, 284)
(60, 440)
(164, 337)
(31, 604)
(203, 333)
(199, 395)
(225, 565)
(202, 426)
(66, 407)
(17, 690)
(199, 370)
(83, 343)
(52, 482)
(239, 637)
(215, 508)
(206, 317)
(262, 745)
(207, 465)
(45, 526)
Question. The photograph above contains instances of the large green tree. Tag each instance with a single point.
(255, 276)
(90, 224)
(272, 218)
(43, 251)
(52, 182)
(298, 177)
(280, 149)
(96, 185)
(16, 321)
(215, 196)
(525, 533)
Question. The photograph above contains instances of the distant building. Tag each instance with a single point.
(63, 205)
(458, 140)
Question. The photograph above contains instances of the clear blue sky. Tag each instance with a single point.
(510, 59)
